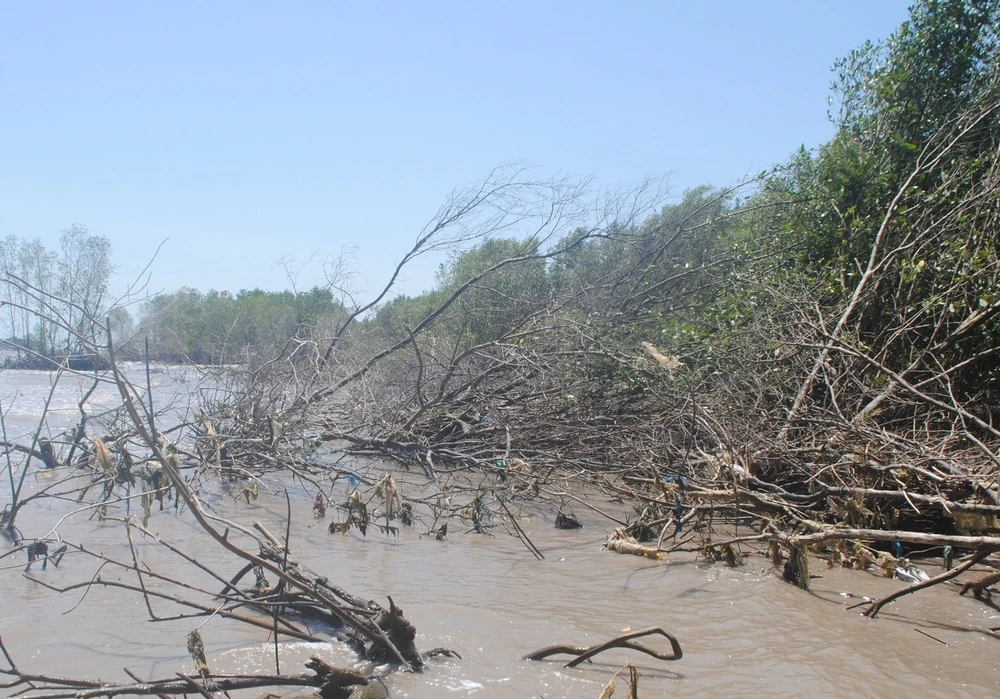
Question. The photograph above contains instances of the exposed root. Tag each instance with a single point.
(622, 641)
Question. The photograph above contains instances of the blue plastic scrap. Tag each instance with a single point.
(681, 507)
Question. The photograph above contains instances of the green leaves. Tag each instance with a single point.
(208, 327)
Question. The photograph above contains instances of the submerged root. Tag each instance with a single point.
(622, 641)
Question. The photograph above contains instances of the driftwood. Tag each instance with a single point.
(877, 605)
(986, 543)
(331, 682)
(946, 506)
(376, 633)
(622, 641)
(979, 586)
(620, 542)
(377, 639)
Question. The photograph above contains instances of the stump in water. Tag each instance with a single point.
(797, 567)
(336, 683)
(564, 521)
(48, 453)
(401, 633)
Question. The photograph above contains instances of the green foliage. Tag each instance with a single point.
(397, 317)
(509, 282)
(899, 208)
(497, 283)
(893, 99)
(218, 327)
(896, 94)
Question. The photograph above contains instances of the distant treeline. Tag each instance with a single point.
(55, 307)
(55, 302)
(219, 327)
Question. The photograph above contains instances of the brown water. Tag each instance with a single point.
(744, 631)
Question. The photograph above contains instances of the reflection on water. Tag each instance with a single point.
(744, 631)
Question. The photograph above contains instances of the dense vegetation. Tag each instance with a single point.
(884, 238)
(825, 333)
(872, 260)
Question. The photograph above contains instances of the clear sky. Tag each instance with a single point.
(245, 131)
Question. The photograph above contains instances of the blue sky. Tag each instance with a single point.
(245, 131)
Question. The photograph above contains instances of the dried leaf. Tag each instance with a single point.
(197, 650)
(517, 465)
(319, 507)
(669, 363)
(386, 490)
(213, 440)
(101, 458)
(339, 527)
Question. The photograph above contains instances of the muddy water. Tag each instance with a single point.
(743, 630)
(23, 397)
